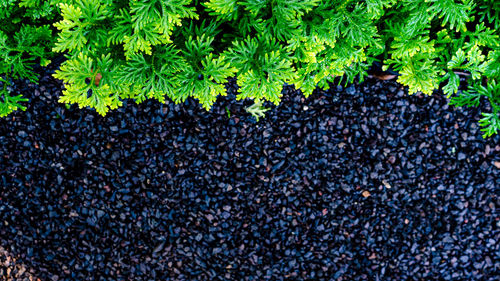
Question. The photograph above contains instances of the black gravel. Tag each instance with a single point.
(363, 183)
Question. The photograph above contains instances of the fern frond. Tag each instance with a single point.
(9, 103)
(82, 85)
(453, 13)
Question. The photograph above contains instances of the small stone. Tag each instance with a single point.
(100, 213)
(366, 194)
(392, 159)
(225, 215)
(198, 237)
(351, 90)
(386, 184)
(487, 149)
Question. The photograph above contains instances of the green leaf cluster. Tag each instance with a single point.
(25, 40)
(438, 44)
(158, 49)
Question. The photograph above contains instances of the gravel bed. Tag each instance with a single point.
(357, 183)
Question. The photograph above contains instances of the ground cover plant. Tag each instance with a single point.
(25, 42)
(175, 49)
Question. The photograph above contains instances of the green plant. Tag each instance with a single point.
(433, 43)
(25, 40)
(257, 110)
(189, 48)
